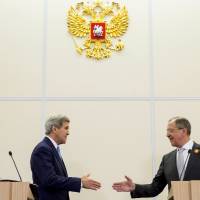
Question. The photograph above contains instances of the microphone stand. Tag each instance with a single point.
(10, 154)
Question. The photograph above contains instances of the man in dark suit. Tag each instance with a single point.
(48, 168)
(180, 164)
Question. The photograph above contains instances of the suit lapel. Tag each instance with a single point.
(62, 164)
(56, 155)
(174, 166)
(191, 161)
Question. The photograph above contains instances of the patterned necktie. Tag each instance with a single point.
(59, 153)
(180, 163)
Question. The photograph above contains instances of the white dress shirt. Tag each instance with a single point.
(188, 146)
(53, 142)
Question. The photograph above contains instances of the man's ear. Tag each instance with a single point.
(54, 128)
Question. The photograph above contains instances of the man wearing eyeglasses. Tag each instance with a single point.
(181, 164)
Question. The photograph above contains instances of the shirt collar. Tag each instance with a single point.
(188, 145)
(53, 142)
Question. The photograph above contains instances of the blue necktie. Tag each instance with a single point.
(62, 162)
(59, 153)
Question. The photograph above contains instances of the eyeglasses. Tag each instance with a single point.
(172, 130)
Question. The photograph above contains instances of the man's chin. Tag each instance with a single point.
(63, 142)
(173, 144)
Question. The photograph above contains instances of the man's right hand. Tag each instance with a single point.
(89, 183)
(124, 186)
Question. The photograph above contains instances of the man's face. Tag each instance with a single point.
(175, 135)
(62, 133)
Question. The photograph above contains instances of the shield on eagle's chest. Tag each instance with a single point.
(98, 30)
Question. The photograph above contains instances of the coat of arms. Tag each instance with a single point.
(98, 25)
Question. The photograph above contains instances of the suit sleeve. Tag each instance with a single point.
(151, 190)
(43, 168)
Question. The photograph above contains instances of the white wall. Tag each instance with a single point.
(119, 107)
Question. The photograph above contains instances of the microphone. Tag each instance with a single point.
(189, 152)
(10, 154)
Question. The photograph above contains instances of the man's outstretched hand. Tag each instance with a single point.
(124, 186)
(88, 183)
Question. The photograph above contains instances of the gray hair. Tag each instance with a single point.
(55, 121)
(181, 123)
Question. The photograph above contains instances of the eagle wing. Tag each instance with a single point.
(77, 25)
(118, 24)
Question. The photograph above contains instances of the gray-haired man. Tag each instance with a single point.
(48, 169)
(181, 164)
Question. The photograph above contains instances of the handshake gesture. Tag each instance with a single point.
(124, 186)
(88, 183)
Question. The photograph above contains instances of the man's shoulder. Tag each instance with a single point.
(169, 154)
(42, 145)
(196, 145)
(41, 152)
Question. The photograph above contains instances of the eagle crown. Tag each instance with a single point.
(97, 11)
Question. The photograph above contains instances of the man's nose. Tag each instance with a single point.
(168, 134)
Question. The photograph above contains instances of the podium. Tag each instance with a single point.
(17, 191)
(184, 190)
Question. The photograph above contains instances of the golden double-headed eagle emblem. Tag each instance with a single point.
(95, 27)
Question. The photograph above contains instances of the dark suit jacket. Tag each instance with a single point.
(168, 172)
(50, 174)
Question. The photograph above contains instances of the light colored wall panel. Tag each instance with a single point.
(20, 130)
(21, 39)
(177, 47)
(124, 74)
(108, 140)
(165, 111)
